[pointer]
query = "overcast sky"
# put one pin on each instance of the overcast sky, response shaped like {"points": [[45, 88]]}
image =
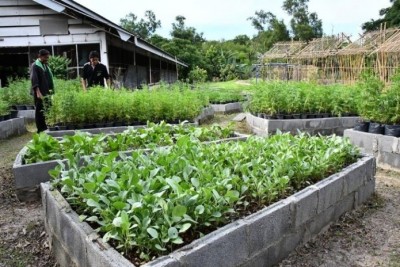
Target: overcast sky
{"points": [[225, 19]]}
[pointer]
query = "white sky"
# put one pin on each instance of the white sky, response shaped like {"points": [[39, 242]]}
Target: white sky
{"points": [[225, 19]]}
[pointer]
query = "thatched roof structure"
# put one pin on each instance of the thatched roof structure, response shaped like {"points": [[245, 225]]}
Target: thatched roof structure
{"points": [[369, 42], [391, 45], [284, 49], [323, 47]]}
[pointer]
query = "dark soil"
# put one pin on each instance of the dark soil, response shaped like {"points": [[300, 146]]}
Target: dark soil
{"points": [[23, 240]]}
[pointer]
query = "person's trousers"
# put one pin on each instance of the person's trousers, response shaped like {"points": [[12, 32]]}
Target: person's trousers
{"points": [[39, 115]]}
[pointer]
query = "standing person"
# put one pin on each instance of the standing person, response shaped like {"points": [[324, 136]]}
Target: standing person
{"points": [[42, 87], [94, 72]]}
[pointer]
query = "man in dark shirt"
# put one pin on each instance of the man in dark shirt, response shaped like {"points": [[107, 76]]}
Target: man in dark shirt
{"points": [[94, 72], [42, 87]]}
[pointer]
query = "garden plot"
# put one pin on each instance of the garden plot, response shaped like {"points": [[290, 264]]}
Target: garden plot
{"points": [[149, 204], [44, 152], [385, 148]]}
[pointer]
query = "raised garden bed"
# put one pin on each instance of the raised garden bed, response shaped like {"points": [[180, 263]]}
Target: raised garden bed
{"points": [[30, 175], [10, 127], [386, 149], [324, 126], [261, 239]]}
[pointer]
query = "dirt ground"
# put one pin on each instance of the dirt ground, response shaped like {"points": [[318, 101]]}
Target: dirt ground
{"points": [[367, 236]]}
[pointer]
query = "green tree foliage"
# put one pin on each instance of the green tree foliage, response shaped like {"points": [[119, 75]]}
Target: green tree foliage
{"points": [[270, 30], [145, 28], [390, 16], [305, 25]]}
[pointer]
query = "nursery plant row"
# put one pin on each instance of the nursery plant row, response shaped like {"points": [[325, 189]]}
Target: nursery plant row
{"points": [[148, 204], [44, 147], [288, 100], [380, 109]]}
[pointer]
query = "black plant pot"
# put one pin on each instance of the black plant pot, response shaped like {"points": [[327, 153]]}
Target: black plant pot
{"points": [[287, 117], [325, 115], [296, 116], [108, 124], [311, 116], [6, 117], [20, 107], [99, 124], [30, 107], [14, 114], [53, 128], [1, 118], [392, 130], [261, 115], [62, 127], [280, 116], [376, 128], [118, 124], [319, 116], [304, 116], [362, 126]]}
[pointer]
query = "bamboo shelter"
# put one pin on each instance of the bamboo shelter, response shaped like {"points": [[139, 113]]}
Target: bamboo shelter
{"points": [[318, 60], [360, 55], [276, 60], [387, 57]]}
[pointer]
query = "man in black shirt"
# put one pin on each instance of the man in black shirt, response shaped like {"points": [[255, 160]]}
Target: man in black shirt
{"points": [[94, 72], [42, 87]]}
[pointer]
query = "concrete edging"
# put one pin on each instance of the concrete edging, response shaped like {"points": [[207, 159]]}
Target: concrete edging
{"points": [[324, 126], [261, 239], [29, 176], [227, 108], [386, 149], [12, 127], [28, 115]]}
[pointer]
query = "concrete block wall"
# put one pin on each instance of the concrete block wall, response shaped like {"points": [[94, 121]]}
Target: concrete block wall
{"points": [[324, 126], [261, 239], [227, 108], [385, 148], [12, 127]]}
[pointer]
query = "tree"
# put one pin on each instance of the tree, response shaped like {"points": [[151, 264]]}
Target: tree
{"points": [[390, 16], [270, 30], [305, 25], [144, 28]]}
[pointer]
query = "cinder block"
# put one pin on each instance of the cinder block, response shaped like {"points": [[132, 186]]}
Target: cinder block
{"points": [[349, 122], [12, 127], [386, 143], [319, 223], [268, 225], [72, 236], [283, 248], [220, 248], [31, 175], [355, 177], [346, 204], [292, 125], [389, 160], [367, 142], [365, 192], [53, 214], [59, 252], [305, 205], [330, 191]]}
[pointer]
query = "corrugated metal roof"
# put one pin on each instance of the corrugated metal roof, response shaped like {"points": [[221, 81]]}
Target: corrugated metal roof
{"points": [[122, 33]]}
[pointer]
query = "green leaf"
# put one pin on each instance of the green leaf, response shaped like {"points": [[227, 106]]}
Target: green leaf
{"points": [[117, 222], [173, 233], [119, 205], [152, 232], [179, 211], [184, 227], [195, 182], [199, 209], [157, 246], [92, 203]]}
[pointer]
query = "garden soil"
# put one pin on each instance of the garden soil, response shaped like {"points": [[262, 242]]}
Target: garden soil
{"points": [[368, 236]]}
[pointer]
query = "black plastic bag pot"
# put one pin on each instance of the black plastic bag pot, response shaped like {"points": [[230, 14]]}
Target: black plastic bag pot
{"points": [[362, 126], [296, 116], [392, 130], [376, 128], [287, 117], [279, 116]]}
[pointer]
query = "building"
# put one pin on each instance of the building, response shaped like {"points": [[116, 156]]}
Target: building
{"points": [[69, 29]]}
